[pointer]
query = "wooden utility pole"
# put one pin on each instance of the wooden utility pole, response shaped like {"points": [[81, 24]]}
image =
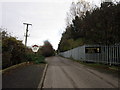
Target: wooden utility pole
{"points": [[26, 33]]}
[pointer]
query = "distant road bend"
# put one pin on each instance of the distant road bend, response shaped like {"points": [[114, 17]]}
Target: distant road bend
{"points": [[64, 73]]}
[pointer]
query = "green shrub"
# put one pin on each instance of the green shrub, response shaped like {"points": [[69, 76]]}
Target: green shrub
{"points": [[36, 58]]}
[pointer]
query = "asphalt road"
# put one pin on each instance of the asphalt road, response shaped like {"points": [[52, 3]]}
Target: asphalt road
{"points": [[64, 73], [27, 76]]}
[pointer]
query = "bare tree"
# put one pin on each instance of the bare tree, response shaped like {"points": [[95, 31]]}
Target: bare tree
{"points": [[77, 9]]}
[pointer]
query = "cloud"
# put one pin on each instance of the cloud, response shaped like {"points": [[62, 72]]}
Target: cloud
{"points": [[47, 19]]}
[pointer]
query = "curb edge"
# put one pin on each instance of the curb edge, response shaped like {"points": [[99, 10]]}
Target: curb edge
{"points": [[43, 77], [12, 67]]}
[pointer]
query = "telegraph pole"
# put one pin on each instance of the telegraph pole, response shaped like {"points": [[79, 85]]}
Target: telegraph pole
{"points": [[26, 32]]}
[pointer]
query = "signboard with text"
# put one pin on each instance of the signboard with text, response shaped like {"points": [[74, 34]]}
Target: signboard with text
{"points": [[92, 50]]}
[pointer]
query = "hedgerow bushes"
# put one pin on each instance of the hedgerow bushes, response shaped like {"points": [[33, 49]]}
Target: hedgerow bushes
{"points": [[15, 52]]}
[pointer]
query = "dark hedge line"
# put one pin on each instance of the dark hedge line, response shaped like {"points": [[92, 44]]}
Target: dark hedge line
{"points": [[15, 52]]}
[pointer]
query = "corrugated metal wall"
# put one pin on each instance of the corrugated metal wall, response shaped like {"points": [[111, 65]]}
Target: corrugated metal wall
{"points": [[108, 54]]}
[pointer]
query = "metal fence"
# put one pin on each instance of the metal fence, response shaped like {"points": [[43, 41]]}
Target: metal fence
{"points": [[107, 54]]}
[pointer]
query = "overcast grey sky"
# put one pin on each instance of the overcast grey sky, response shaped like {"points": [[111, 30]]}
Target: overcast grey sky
{"points": [[46, 16]]}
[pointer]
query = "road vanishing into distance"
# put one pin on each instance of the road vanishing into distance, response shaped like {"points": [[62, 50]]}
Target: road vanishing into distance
{"points": [[64, 73], [61, 73]]}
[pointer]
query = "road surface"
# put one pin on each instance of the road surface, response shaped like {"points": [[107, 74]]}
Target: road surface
{"points": [[64, 73], [27, 76]]}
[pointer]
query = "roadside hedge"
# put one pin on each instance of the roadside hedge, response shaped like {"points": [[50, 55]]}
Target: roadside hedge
{"points": [[15, 52]]}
